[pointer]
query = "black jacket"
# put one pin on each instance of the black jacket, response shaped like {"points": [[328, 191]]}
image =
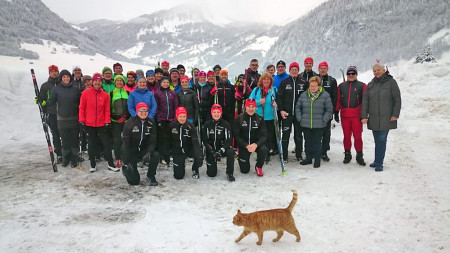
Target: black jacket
{"points": [[252, 78], [184, 139], [288, 93], [225, 95], [78, 83], [249, 129], [67, 98], [189, 100], [204, 96], [44, 94], [307, 75], [216, 135], [138, 136], [330, 85]]}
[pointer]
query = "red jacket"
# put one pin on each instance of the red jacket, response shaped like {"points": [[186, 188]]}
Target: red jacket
{"points": [[94, 108], [349, 98]]}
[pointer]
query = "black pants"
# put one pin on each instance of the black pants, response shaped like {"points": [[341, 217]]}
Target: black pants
{"points": [[69, 139], [244, 158], [131, 174], [313, 142], [162, 138], [53, 124], [326, 137], [179, 162], [205, 115], [211, 163], [271, 142], [96, 135], [83, 140], [286, 133], [117, 129], [228, 115]]}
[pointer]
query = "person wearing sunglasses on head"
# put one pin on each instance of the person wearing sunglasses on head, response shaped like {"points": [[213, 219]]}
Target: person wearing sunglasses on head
{"points": [[349, 101], [217, 139]]}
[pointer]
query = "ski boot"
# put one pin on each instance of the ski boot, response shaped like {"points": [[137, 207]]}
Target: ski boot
{"points": [[325, 157]]}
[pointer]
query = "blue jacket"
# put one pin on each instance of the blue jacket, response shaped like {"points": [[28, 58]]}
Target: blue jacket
{"points": [[277, 79], [268, 108], [140, 95]]}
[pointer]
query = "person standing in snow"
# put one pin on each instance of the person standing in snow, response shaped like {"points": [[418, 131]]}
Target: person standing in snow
{"points": [[249, 132], [194, 80], [94, 117], [217, 139], [181, 70], [349, 101], [281, 74], [118, 70], [188, 99], [313, 111], [142, 94], [174, 80], [77, 76], [288, 93], [329, 84], [271, 69], [108, 82], [217, 70], [131, 82], [158, 75], [139, 141], [205, 99], [380, 110], [225, 96], [308, 72], [240, 95], [152, 84], [119, 114], [165, 67], [50, 110], [67, 98], [252, 74], [87, 82], [184, 143]]}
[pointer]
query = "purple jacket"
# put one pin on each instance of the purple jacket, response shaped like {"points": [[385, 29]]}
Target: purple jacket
{"points": [[167, 103]]}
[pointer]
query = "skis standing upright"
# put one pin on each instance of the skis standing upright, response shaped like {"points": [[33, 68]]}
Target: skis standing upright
{"points": [[44, 123], [343, 76], [278, 134]]}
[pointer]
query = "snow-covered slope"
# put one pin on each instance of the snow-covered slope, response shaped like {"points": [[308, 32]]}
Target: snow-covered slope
{"points": [[341, 208]]}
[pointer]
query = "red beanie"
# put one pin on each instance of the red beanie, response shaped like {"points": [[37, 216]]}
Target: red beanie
{"points": [[216, 107], [201, 73], [180, 110], [97, 76], [250, 102], [309, 59], [324, 63], [210, 73], [184, 78], [141, 105], [165, 63], [52, 67], [294, 64]]}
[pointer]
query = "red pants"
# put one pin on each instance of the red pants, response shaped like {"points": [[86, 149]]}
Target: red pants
{"points": [[352, 126]]}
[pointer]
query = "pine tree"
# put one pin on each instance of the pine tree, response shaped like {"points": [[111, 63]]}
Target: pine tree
{"points": [[425, 56]]}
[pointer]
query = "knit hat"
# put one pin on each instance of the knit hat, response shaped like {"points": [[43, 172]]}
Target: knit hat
{"points": [[164, 78], [159, 70], [173, 70], [216, 107], [165, 63], [64, 72], [116, 65], [224, 71], [241, 76], [250, 102], [139, 72], [309, 59], [143, 106], [294, 65], [97, 76], [210, 73], [150, 72], [352, 68], [106, 69], [139, 77], [201, 73], [180, 67], [85, 78], [324, 63], [184, 78], [121, 77], [132, 74], [280, 62], [180, 110], [217, 66], [53, 67]]}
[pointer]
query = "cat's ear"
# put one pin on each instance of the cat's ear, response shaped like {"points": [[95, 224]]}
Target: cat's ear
{"points": [[239, 212]]}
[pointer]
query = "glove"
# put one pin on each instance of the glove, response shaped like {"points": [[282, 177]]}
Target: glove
{"points": [[122, 119], [222, 152], [336, 116], [238, 96], [36, 100], [214, 91]]}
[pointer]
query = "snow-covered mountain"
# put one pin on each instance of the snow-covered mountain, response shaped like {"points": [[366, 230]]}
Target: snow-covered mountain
{"points": [[356, 32]]}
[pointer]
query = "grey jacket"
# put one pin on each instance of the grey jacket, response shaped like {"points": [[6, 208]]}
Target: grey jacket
{"points": [[381, 101], [314, 113]]}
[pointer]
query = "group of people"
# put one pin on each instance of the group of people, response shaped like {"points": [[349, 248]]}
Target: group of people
{"points": [[163, 115]]}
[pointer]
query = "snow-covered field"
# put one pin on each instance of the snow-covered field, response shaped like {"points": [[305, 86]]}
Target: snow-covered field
{"points": [[341, 208]]}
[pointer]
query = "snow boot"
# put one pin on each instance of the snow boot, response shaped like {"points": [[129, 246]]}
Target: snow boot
{"points": [[300, 158], [379, 168], [131, 174], [259, 171], [373, 165], [112, 167], [195, 174], [230, 177], [360, 159], [59, 159], [316, 163], [66, 157], [152, 180], [347, 157], [306, 161], [325, 157], [118, 163]]}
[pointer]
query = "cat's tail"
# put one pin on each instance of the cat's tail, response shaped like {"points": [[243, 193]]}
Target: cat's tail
{"points": [[293, 202]]}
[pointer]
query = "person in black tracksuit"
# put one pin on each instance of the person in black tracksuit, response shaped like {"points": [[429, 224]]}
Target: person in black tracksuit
{"points": [[139, 141], [50, 110], [67, 98], [249, 131], [289, 91], [329, 84], [216, 137], [188, 99], [308, 72], [184, 143], [225, 97], [205, 99]]}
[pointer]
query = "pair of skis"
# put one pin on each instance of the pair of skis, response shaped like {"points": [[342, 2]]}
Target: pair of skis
{"points": [[278, 134]]}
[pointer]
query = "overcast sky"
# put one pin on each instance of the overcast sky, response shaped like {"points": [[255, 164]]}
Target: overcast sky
{"points": [[261, 11]]}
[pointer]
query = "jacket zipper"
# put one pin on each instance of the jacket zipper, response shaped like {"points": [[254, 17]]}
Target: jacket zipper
{"points": [[167, 101], [249, 128], [142, 135], [349, 94]]}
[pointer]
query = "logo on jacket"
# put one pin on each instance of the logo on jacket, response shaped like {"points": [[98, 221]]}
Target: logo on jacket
{"points": [[174, 131], [135, 129], [244, 123]]}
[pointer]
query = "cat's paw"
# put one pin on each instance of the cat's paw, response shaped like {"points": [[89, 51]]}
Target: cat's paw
{"points": [[275, 240], [258, 243]]}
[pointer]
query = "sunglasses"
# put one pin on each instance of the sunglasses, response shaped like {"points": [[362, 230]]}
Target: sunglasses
{"points": [[143, 110], [131, 73], [216, 107], [351, 74]]}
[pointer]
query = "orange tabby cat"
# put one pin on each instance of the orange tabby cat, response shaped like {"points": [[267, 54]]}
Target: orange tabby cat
{"points": [[275, 219]]}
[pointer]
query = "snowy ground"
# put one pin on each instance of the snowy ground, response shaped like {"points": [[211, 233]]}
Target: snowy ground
{"points": [[341, 208]]}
